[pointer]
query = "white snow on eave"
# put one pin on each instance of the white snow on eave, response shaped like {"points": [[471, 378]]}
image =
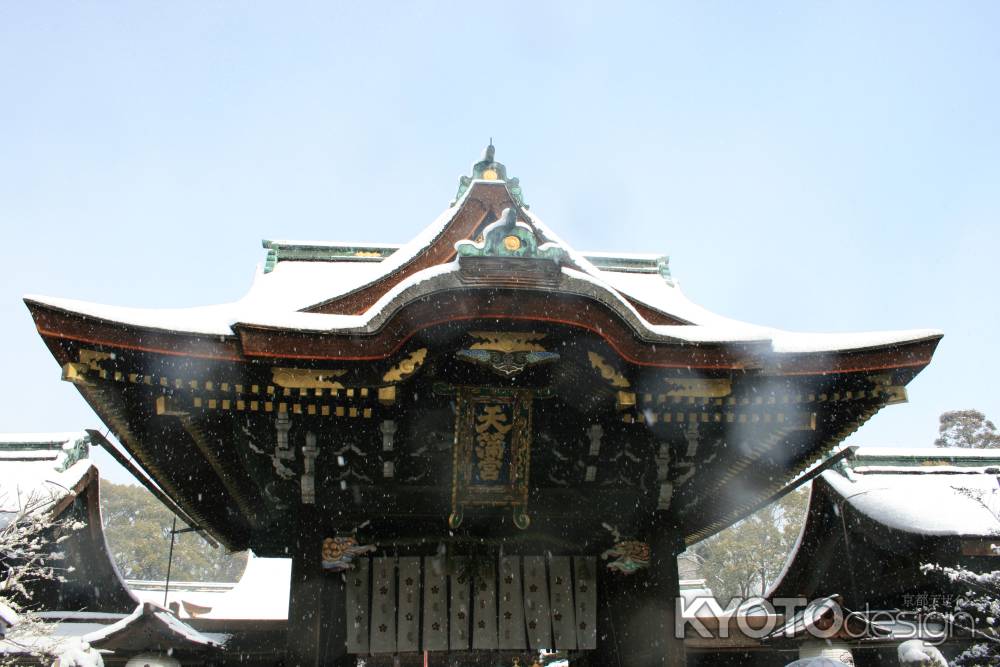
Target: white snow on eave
{"points": [[23, 480], [290, 287], [204, 320], [55, 438], [651, 290], [260, 594], [718, 331], [114, 627], [789, 342], [331, 322], [927, 504], [168, 619], [924, 470], [183, 629], [688, 333], [26, 455], [648, 288], [276, 299], [929, 453]]}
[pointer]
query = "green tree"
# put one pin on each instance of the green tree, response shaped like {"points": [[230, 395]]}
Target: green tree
{"points": [[967, 428], [746, 558], [137, 527]]}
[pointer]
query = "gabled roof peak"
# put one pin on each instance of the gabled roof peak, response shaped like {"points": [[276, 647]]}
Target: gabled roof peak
{"points": [[488, 169]]}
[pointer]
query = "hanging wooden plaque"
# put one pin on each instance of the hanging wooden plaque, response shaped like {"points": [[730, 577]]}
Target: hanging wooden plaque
{"points": [[492, 451]]}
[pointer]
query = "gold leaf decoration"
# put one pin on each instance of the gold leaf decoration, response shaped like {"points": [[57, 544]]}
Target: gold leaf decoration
{"points": [[92, 357], [306, 378], [607, 371], [507, 341], [406, 367], [699, 388]]}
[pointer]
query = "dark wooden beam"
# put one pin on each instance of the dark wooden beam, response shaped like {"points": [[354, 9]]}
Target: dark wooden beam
{"points": [[150, 485]]}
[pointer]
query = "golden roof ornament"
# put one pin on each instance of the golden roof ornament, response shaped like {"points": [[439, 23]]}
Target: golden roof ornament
{"points": [[488, 169]]}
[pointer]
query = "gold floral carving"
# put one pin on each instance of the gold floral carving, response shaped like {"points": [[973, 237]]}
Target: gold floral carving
{"points": [[406, 367], [306, 378], [607, 371], [507, 341]]}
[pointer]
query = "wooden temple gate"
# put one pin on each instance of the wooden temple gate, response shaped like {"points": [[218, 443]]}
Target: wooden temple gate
{"points": [[488, 408]]}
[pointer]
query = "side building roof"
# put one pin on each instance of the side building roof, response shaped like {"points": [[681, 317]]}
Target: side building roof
{"points": [[918, 503], [51, 473]]}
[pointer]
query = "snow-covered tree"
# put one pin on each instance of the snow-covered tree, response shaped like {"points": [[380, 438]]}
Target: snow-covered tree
{"points": [[976, 612], [29, 553], [967, 428]]}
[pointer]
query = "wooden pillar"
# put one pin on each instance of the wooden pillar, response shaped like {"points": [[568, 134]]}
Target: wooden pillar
{"points": [[316, 627], [636, 625]]}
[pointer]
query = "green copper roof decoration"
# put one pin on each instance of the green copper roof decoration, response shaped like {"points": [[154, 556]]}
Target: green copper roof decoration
{"points": [[281, 251], [633, 264], [507, 237], [76, 450], [62, 452], [488, 169]]}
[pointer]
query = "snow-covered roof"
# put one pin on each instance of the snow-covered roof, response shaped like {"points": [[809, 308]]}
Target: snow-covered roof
{"points": [[55, 440], [944, 492], [284, 288], [276, 300], [923, 491], [42, 467], [260, 594], [154, 628], [931, 503], [924, 458]]}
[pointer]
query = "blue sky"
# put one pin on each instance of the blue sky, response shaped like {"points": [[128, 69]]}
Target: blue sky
{"points": [[812, 166]]}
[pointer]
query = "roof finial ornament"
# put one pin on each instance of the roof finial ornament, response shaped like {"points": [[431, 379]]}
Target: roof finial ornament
{"points": [[488, 169]]}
